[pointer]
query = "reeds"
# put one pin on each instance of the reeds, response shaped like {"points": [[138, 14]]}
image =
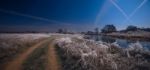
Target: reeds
{"points": [[92, 55]]}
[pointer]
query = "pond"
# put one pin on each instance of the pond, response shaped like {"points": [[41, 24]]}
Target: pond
{"points": [[122, 42]]}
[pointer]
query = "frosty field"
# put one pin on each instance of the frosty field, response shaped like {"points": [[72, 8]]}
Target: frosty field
{"points": [[68, 52]]}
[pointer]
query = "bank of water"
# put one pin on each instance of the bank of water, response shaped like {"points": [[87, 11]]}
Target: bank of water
{"points": [[122, 42]]}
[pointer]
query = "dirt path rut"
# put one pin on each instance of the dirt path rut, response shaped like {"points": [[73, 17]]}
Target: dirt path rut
{"points": [[53, 63], [16, 64]]}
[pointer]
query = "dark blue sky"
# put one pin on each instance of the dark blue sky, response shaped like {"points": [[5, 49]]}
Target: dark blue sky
{"points": [[76, 15]]}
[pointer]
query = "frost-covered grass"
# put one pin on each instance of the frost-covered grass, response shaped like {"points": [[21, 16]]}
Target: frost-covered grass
{"points": [[23, 37], [13, 44], [81, 54], [77, 53]]}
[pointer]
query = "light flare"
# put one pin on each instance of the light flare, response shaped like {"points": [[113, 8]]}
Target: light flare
{"points": [[120, 9], [136, 9], [128, 17], [102, 11]]}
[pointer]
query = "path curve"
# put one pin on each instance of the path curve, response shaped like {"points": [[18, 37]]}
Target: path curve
{"points": [[16, 64]]}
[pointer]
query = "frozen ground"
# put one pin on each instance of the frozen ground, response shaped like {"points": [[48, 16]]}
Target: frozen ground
{"points": [[13, 44], [77, 53], [29, 37]]}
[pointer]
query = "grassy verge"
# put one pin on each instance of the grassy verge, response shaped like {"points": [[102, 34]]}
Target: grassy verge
{"points": [[68, 62]]}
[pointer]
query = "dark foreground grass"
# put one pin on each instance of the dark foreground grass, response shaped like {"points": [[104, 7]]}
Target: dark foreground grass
{"points": [[36, 60]]}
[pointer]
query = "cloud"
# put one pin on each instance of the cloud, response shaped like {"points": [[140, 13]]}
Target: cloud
{"points": [[32, 17]]}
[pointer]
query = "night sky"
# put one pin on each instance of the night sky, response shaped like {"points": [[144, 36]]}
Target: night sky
{"points": [[74, 15]]}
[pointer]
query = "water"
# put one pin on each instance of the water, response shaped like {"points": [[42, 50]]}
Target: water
{"points": [[122, 42]]}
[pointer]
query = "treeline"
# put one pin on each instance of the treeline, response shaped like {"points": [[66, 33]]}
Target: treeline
{"points": [[111, 28], [135, 28], [65, 31]]}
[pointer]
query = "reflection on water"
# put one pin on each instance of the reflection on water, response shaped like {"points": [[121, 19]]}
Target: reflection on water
{"points": [[108, 39], [122, 42], [102, 38]]}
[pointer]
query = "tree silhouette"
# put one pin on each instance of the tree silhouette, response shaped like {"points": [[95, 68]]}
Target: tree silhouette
{"points": [[109, 29]]}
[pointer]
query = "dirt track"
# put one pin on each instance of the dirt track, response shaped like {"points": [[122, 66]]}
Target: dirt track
{"points": [[53, 64]]}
